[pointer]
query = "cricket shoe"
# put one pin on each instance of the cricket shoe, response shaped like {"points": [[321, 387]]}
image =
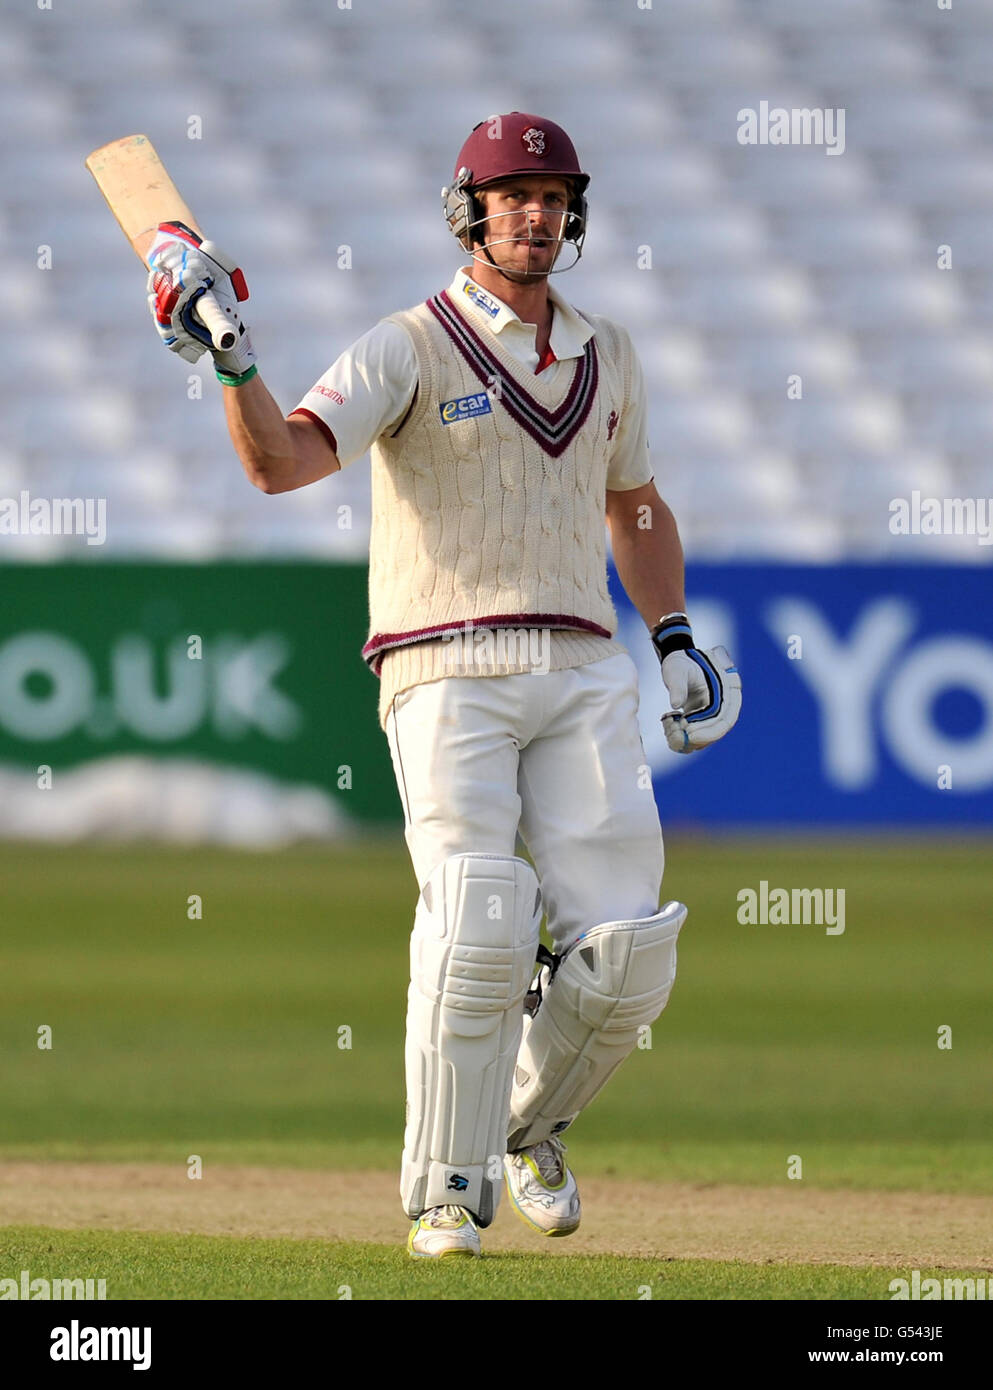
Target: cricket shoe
{"points": [[443, 1231], [542, 1189]]}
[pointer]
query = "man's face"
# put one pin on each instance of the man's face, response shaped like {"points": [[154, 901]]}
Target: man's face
{"points": [[531, 203]]}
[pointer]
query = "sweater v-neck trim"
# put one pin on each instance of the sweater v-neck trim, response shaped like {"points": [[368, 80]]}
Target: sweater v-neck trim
{"points": [[553, 427]]}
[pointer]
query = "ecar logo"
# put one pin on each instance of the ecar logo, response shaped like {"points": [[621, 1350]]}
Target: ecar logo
{"points": [[465, 408]]}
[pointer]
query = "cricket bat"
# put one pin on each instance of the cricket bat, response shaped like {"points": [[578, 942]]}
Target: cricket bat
{"points": [[140, 194]]}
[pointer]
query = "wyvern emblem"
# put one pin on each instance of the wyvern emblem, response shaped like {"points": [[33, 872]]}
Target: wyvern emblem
{"points": [[534, 141]]}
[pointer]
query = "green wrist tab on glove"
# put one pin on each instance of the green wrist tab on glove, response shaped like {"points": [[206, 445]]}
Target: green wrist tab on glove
{"points": [[232, 379]]}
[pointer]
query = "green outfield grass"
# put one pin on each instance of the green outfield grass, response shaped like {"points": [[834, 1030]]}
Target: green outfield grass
{"points": [[201, 1267], [220, 1036]]}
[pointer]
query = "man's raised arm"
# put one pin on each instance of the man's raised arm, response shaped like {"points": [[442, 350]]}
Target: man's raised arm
{"points": [[278, 454]]}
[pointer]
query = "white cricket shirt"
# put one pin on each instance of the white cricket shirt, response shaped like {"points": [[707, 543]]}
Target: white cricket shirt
{"points": [[369, 389]]}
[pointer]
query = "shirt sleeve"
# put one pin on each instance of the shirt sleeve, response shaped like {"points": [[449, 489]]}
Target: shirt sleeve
{"points": [[366, 392], [630, 465]]}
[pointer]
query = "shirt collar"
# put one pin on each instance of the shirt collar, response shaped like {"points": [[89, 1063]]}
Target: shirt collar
{"points": [[570, 331]]}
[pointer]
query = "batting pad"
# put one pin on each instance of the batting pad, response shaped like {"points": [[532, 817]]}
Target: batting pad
{"points": [[611, 983], [472, 954]]}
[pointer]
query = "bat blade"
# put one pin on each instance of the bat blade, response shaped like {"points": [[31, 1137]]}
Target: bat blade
{"points": [[140, 194]]}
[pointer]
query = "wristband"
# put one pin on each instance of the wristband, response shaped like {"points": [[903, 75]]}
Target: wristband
{"points": [[232, 378], [672, 634]]}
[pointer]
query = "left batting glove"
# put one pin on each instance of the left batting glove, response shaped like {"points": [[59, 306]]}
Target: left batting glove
{"points": [[184, 268], [704, 687]]}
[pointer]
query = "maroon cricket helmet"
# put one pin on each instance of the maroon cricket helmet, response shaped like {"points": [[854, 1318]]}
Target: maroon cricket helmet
{"points": [[506, 147]]}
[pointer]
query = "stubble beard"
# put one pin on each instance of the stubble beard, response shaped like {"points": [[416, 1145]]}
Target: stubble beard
{"points": [[519, 275]]}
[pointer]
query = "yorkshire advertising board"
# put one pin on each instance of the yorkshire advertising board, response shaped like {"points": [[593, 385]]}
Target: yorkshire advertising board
{"points": [[868, 691], [867, 697]]}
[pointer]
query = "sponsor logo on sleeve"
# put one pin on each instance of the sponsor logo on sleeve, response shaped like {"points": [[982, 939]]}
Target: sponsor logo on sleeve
{"points": [[465, 408], [481, 299], [321, 390]]}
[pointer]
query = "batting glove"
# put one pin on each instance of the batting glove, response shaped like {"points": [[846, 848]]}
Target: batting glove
{"points": [[704, 687], [183, 269]]}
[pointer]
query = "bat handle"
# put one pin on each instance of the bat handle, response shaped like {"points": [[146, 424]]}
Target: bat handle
{"points": [[216, 322]]}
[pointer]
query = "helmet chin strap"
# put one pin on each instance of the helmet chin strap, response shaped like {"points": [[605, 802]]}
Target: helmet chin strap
{"points": [[527, 275], [524, 274]]}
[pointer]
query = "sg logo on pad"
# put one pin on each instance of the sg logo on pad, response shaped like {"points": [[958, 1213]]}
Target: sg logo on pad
{"points": [[465, 408]]}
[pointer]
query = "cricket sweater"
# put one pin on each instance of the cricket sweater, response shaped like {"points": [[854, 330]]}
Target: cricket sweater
{"points": [[488, 508]]}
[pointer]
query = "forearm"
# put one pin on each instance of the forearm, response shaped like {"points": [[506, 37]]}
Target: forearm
{"points": [[649, 561], [259, 434]]}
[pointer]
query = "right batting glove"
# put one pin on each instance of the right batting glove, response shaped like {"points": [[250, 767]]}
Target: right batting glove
{"points": [[704, 687], [183, 268]]}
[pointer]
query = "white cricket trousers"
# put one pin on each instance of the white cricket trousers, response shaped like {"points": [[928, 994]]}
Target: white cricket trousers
{"points": [[556, 758]]}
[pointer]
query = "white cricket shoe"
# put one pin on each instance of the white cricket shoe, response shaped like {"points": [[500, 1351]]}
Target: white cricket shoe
{"points": [[442, 1231], [542, 1189]]}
